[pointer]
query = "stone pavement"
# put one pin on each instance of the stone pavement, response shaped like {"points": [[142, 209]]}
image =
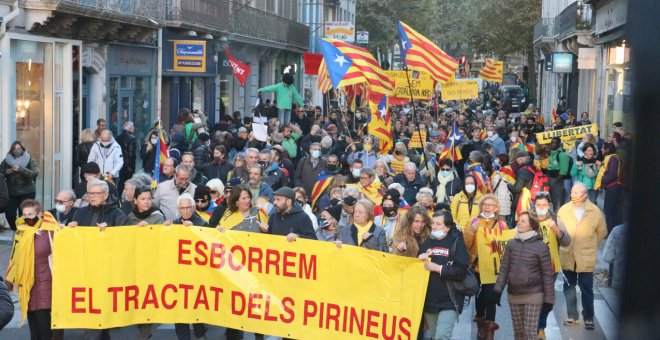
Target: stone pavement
{"points": [[605, 302]]}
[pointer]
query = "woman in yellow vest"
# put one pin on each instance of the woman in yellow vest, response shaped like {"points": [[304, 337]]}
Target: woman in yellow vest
{"points": [[487, 299], [608, 179], [465, 204]]}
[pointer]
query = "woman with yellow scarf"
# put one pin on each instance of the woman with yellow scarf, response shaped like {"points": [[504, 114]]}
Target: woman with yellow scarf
{"points": [[29, 269]]}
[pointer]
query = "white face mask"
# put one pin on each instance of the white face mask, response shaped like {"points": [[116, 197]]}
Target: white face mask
{"points": [[513, 139], [154, 140], [491, 215], [438, 234], [470, 188], [60, 208], [356, 172], [541, 212]]}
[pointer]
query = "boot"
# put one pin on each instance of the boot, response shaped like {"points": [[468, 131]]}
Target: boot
{"points": [[491, 327], [482, 325]]}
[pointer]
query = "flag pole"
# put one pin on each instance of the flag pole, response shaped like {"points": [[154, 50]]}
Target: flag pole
{"points": [[412, 101]]}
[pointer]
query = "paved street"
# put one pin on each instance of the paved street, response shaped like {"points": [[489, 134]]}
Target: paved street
{"points": [[465, 329]]}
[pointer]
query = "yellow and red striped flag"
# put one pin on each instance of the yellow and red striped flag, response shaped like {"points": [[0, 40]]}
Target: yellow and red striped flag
{"points": [[349, 65], [421, 54], [380, 124], [324, 84], [492, 71]]}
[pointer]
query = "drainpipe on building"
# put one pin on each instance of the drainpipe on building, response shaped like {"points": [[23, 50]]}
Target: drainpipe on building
{"points": [[159, 77], [15, 11]]}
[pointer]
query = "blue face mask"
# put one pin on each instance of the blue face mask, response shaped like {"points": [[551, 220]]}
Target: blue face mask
{"points": [[316, 153], [490, 133], [446, 173]]}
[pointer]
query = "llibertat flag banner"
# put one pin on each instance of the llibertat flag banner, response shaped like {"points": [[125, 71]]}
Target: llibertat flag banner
{"points": [[255, 282], [491, 243]]}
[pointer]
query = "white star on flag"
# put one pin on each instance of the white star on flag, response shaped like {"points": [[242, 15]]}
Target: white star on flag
{"points": [[403, 44], [340, 59]]}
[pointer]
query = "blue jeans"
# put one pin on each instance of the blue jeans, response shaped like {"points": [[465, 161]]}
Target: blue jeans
{"points": [[568, 185], [441, 325], [593, 196], [284, 115], [586, 283]]}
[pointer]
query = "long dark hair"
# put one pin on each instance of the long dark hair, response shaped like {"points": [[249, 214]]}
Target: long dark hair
{"points": [[13, 145], [232, 201]]}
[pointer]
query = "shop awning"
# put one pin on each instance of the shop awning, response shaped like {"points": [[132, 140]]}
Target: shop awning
{"points": [[610, 36]]}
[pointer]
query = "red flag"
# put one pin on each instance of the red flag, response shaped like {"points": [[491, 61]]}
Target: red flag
{"points": [[240, 70], [312, 62]]}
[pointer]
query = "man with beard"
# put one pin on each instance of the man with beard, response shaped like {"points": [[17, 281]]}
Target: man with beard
{"points": [[168, 191], [257, 187], [289, 220], [273, 175], [196, 177]]}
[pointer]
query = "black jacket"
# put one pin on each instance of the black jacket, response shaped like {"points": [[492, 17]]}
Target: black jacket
{"points": [[218, 212], [437, 293], [64, 218], [202, 155], [4, 194], [410, 188], [148, 158], [295, 221], [524, 179], [89, 216], [217, 170], [6, 305], [196, 220], [128, 144], [81, 190]]}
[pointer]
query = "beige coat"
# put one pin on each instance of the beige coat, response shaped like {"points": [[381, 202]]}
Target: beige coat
{"points": [[580, 254]]}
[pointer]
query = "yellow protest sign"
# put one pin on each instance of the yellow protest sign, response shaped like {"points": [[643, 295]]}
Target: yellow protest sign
{"points": [[460, 89], [421, 87], [550, 238], [491, 243], [254, 282], [416, 141], [566, 134]]}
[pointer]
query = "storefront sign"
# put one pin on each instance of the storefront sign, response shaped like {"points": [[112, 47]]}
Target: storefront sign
{"points": [[362, 37], [340, 30], [611, 15], [571, 133], [459, 89], [562, 62], [254, 282], [587, 59], [189, 56], [421, 87]]}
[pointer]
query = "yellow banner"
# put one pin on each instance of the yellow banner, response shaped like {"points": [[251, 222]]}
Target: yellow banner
{"points": [[490, 246], [421, 87], [550, 238], [568, 134], [254, 282], [416, 141], [460, 89]]}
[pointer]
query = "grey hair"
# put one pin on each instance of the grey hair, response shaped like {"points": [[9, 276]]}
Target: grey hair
{"points": [[410, 165], [252, 150], [369, 172], [422, 192], [107, 131], [183, 197], [398, 187], [351, 191], [181, 168], [128, 125], [98, 183], [142, 178], [70, 193]]}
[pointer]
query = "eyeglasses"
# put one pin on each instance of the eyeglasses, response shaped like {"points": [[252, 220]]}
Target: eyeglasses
{"points": [[201, 201], [542, 194], [61, 202], [185, 208], [214, 191], [445, 169], [95, 193], [489, 205]]}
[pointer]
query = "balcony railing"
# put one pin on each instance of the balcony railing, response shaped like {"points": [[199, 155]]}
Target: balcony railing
{"points": [[545, 28], [131, 9], [213, 14], [255, 23], [574, 18]]}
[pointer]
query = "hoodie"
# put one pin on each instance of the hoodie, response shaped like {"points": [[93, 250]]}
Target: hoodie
{"points": [[294, 221]]}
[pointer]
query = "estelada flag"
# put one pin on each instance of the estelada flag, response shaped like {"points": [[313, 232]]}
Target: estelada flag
{"points": [[380, 123], [323, 180], [240, 70]]}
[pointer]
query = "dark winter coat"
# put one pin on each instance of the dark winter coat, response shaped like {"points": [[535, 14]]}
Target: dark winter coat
{"points": [[442, 251], [410, 187], [306, 174], [527, 269], [218, 170], [202, 155], [89, 216], [4, 193], [196, 220], [21, 182], [63, 219], [295, 221], [128, 144], [377, 240], [148, 158]]}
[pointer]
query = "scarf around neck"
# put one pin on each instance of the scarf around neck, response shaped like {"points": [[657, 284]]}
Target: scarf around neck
{"points": [[526, 235], [442, 185], [20, 161]]}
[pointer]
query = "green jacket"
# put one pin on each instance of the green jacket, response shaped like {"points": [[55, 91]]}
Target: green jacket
{"points": [[289, 144], [284, 95], [560, 161], [21, 182], [580, 176]]}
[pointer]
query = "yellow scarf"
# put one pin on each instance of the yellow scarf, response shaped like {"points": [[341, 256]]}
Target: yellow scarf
{"points": [[20, 270], [361, 229], [601, 172]]}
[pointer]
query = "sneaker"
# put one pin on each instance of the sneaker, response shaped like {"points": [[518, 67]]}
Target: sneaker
{"points": [[589, 324], [571, 322], [542, 334]]}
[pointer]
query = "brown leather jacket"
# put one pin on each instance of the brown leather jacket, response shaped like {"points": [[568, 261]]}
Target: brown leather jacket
{"points": [[527, 268]]}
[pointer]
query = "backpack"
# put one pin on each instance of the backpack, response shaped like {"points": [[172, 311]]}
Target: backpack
{"points": [[540, 182]]}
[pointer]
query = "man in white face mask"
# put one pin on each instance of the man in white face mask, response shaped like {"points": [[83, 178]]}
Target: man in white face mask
{"points": [[64, 208]]}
